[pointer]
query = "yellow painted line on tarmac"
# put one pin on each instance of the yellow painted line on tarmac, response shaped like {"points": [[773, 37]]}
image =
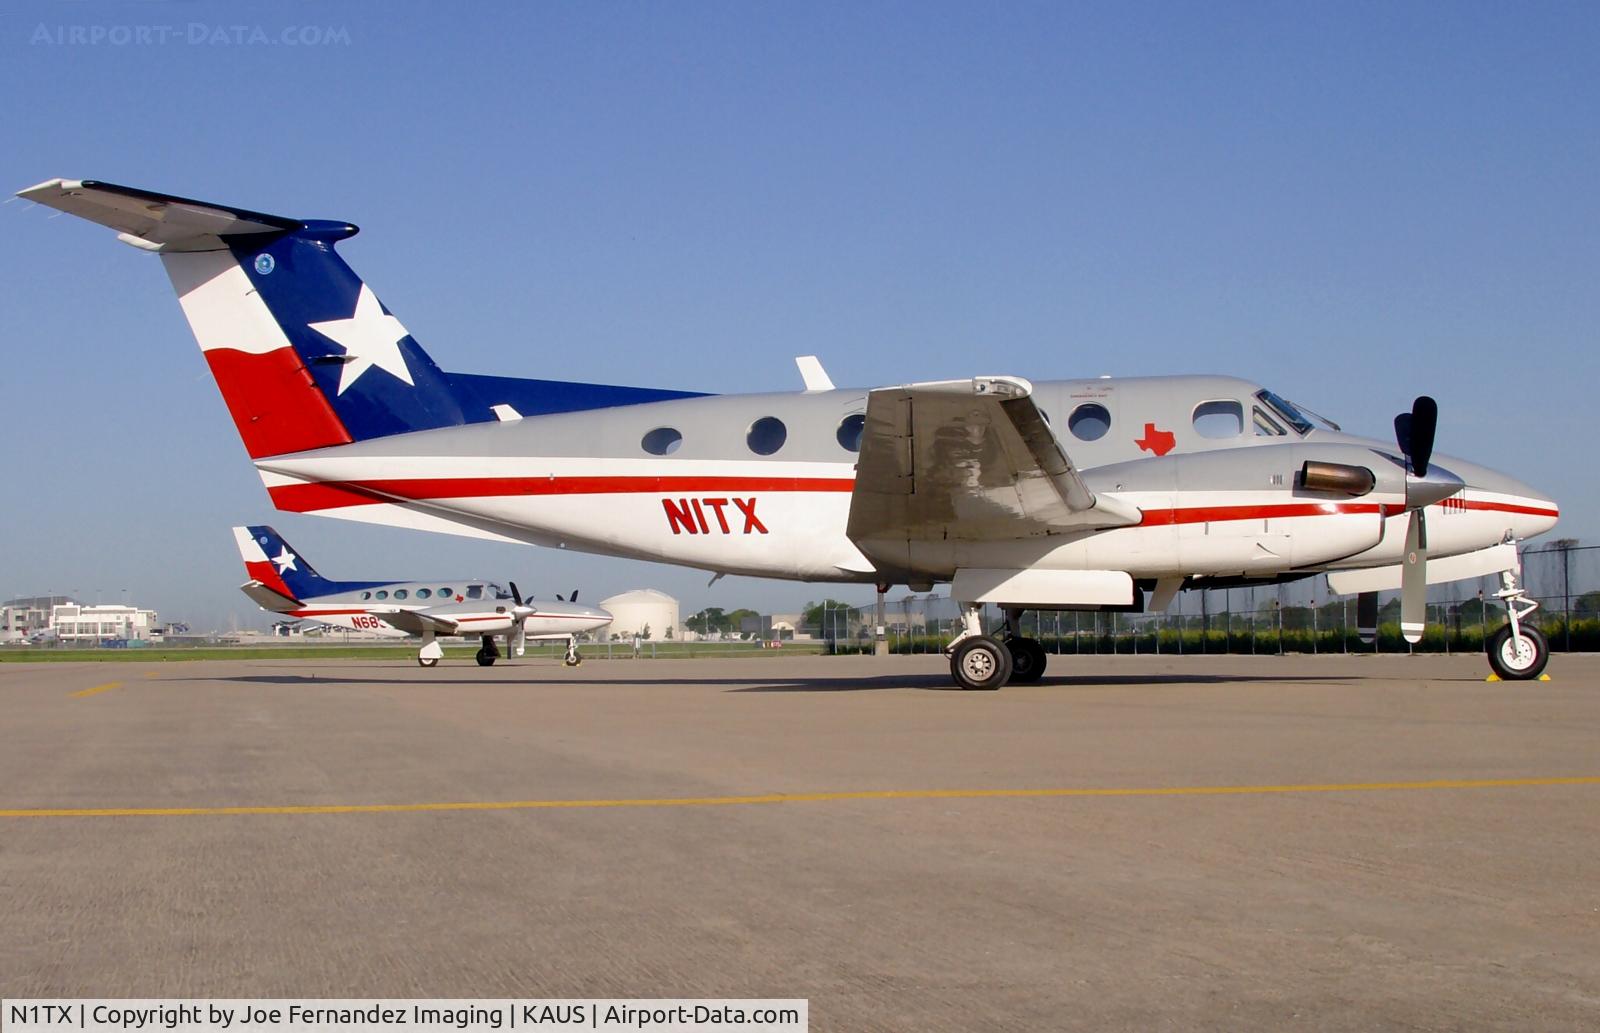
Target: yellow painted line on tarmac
{"points": [[152, 674], [95, 690], [735, 801]]}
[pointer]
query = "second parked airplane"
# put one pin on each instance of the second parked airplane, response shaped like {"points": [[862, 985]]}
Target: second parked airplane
{"points": [[283, 582]]}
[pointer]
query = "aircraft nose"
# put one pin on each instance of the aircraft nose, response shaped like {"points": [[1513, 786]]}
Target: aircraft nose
{"points": [[1527, 511]]}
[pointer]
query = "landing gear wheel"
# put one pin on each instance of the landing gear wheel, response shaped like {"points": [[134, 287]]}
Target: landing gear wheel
{"points": [[1027, 660], [486, 658], [1519, 659], [428, 661], [574, 661], [980, 663]]}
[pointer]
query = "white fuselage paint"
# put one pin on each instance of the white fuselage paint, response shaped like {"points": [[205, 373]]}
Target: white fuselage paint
{"points": [[800, 534]]}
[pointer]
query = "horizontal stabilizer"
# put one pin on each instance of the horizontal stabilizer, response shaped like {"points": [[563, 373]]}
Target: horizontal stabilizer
{"points": [[155, 221], [267, 599]]}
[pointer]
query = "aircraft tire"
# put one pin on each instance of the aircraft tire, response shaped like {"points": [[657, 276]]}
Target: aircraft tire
{"points": [[485, 658], [1027, 660], [1514, 661], [981, 663], [427, 661]]}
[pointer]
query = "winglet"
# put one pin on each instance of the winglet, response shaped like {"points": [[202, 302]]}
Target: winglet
{"points": [[816, 378]]}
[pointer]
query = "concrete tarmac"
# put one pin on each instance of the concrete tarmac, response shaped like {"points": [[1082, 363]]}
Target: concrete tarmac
{"points": [[1321, 843]]}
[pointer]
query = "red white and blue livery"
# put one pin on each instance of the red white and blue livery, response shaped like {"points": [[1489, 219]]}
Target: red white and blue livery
{"points": [[1045, 495], [283, 581]]}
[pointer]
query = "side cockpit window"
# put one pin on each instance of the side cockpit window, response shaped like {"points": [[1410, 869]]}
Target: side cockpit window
{"points": [[1219, 419], [1285, 412], [474, 591], [1266, 426]]}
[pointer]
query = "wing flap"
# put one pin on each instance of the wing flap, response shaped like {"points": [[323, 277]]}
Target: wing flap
{"points": [[969, 459]]}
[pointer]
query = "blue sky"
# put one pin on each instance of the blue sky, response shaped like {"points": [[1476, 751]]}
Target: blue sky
{"points": [[1354, 203]]}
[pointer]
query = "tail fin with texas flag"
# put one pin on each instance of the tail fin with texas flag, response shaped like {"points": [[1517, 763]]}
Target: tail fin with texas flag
{"points": [[305, 354], [287, 577]]}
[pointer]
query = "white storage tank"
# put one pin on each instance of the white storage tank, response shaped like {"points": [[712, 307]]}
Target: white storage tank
{"points": [[634, 611]]}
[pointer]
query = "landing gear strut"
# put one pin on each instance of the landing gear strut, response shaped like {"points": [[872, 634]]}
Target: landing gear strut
{"points": [[488, 653], [980, 662], [1027, 655], [574, 658], [1518, 651], [431, 651]]}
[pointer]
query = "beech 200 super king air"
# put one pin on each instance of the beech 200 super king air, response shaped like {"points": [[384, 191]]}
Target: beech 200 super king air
{"points": [[283, 582], [1078, 494]]}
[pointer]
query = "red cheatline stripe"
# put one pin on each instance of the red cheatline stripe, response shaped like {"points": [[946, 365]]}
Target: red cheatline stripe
{"points": [[322, 613], [1508, 507], [302, 498], [1218, 514]]}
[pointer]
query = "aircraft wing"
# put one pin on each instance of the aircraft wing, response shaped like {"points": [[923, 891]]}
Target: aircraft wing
{"points": [[415, 622], [972, 460]]}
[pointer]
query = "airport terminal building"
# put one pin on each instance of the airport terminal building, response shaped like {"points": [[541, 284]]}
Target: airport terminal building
{"points": [[58, 617]]}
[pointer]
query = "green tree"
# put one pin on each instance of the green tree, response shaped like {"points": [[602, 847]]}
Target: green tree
{"points": [[820, 615], [709, 620]]}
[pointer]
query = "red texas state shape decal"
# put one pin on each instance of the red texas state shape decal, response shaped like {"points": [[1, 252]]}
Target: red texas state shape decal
{"points": [[1158, 441]]}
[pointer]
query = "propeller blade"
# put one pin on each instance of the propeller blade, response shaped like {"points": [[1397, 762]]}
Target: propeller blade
{"points": [[573, 597], [559, 599], [1367, 616], [1414, 579], [1402, 433], [1424, 423], [516, 596]]}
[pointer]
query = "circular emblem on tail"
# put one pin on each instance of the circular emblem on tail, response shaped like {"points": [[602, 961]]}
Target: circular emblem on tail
{"points": [[265, 264]]}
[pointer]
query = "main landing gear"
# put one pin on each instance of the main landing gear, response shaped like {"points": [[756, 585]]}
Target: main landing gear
{"points": [[980, 662], [1518, 651], [488, 653], [431, 651]]}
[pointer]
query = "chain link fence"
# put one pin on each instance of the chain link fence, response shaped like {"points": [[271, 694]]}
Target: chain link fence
{"points": [[1300, 617]]}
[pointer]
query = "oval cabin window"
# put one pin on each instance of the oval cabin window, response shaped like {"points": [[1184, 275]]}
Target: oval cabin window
{"points": [[1089, 421]]}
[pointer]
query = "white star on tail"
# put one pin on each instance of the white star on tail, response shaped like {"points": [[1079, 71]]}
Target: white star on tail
{"points": [[370, 337], [284, 560]]}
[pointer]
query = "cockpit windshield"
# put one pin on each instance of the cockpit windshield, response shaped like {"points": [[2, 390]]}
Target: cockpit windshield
{"points": [[1284, 408], [498, 592]]}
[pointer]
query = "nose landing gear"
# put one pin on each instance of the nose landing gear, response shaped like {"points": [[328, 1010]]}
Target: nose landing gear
{"points": [[1518, 651]]}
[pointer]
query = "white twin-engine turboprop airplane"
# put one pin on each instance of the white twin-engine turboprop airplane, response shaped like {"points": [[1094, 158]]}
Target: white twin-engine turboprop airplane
{"points": [[284, 581], [1081, 494]]}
